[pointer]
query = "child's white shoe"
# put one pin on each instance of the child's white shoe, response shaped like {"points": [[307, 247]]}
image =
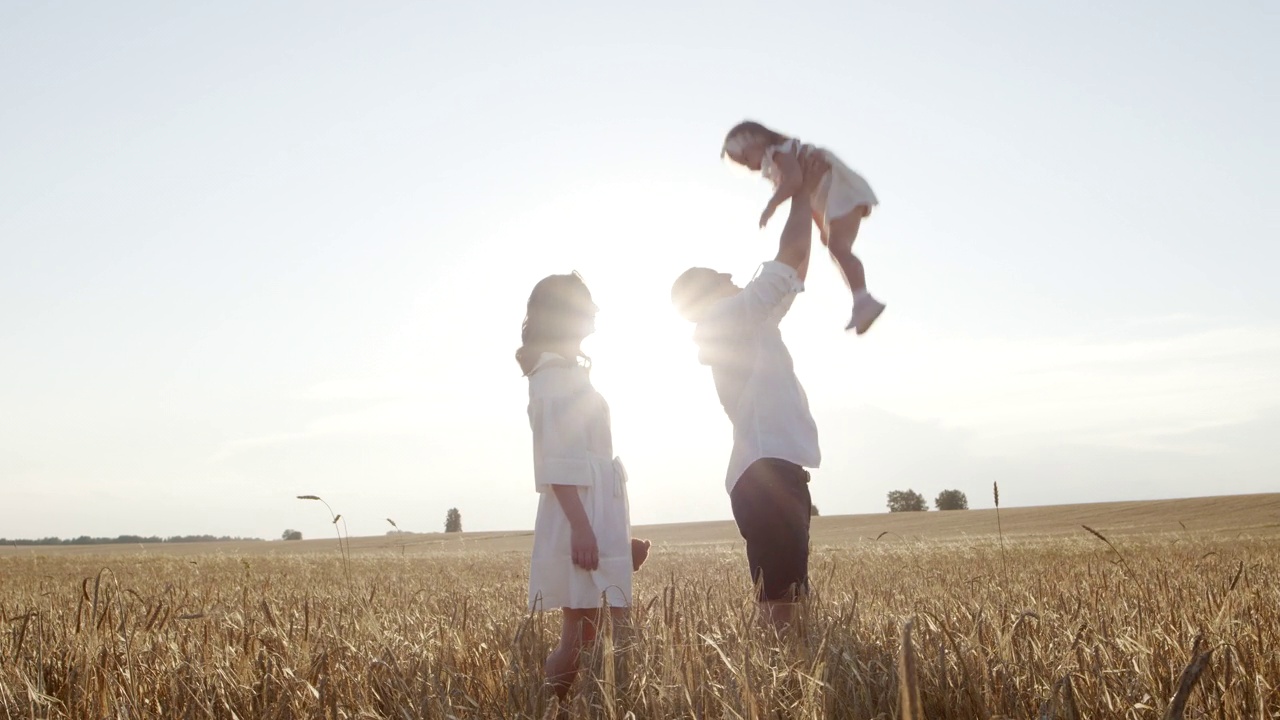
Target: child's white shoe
{"points": [[865, 312]]}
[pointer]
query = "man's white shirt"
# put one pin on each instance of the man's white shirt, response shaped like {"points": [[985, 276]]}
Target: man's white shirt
{"points": [[754, 375]]}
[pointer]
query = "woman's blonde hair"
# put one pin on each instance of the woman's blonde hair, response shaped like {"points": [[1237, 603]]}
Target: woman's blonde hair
{"points": [[559, 315]]}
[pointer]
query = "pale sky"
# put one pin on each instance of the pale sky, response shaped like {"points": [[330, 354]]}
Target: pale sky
{"points": [[255, 250]]}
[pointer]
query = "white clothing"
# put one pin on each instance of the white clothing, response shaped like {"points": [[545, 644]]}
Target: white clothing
{"points": [[841, 191], [573, 445], [754, 375]]}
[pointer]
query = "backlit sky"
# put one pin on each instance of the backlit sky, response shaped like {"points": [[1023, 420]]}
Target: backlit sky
{"points": [[255, 250]]}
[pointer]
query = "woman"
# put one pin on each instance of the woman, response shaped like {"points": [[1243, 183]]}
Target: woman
{"points": [[583, 555]]}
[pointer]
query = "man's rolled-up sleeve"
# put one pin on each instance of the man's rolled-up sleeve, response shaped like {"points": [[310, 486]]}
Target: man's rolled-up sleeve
{"points": [[768, 297]]}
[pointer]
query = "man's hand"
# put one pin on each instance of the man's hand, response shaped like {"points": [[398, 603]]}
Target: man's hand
{"points": [[797, 236], [814, 167], [583, 548]]}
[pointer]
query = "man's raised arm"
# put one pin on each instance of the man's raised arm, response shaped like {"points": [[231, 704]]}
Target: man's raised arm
{"points": [[797, 234]]}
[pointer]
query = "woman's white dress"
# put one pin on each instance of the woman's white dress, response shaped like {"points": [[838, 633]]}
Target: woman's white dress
{"points": [[573, 445]]}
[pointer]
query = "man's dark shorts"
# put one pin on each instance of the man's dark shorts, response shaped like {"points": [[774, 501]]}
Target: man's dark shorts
{"points": [[771, 505]]}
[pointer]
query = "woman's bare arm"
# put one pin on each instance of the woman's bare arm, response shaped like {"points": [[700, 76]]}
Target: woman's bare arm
{"points": [[582, 539]]}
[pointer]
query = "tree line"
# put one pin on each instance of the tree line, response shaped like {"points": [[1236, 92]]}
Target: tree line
{"points": [[912, 501], [899, 501], [124, 540], [452, 524]]}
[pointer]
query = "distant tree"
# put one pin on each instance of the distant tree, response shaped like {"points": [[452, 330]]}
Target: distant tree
{"points": [[907, 501], [951, 500], [291, 535], [453, 521], [813, 510]]}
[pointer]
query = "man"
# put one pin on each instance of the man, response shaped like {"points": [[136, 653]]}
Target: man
{"points": [[774, 436]]}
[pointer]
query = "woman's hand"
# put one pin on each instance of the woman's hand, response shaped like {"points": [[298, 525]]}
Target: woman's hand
{"points": [[583, 548], [582, 539]]}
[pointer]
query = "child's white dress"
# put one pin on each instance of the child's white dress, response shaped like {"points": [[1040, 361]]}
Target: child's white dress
{"points": [[841, 191], [573, 445]]}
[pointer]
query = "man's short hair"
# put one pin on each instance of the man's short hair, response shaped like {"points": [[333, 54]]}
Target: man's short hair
{"points": [[692, 290]]}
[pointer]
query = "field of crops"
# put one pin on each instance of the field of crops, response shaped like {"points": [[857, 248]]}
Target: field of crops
{"points": [[1072, 626]]}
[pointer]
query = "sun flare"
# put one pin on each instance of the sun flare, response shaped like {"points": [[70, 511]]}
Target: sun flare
{"points": [[642, 356]]}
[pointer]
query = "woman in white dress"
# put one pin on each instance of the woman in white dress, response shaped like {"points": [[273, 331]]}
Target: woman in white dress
{"points": [[583, 555]]}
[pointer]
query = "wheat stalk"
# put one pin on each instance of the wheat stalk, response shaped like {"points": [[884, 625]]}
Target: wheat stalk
{"points": [[908, 681], [1124, 563], [1004, 567], [1187, 680], [344, 551]]}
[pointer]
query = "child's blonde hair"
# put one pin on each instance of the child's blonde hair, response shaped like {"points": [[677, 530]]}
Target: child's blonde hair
{"points": [[753, 130]]}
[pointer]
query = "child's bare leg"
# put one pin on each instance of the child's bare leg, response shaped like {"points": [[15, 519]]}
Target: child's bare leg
{"points": [[838, 236], [841, 232], [822, 226]]}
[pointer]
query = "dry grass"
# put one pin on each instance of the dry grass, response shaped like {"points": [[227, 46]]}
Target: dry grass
{"points": [[1079, 626]]}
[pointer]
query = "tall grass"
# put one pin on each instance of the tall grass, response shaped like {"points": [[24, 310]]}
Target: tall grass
{"points": [[1072, 633]]}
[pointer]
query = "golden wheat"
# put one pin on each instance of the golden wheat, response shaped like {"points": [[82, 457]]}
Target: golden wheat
{"points": [[1070, 631]]}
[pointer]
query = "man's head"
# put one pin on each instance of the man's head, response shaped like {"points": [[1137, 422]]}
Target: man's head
{"points": [[699, 288]]}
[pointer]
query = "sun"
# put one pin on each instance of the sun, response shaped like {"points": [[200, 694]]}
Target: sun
{"points": [[639, 343], [643, 358], [630, 237]]}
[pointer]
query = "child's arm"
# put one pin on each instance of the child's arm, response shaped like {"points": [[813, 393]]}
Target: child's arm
{"points": [[790, 179]]}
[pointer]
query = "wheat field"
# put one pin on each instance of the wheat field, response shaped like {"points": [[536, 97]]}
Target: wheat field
{"points": [[1057, 625]]}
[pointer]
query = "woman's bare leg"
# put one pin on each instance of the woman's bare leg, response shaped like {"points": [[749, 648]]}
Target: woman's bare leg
{"points": [[577, 631], [561, 667]]}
